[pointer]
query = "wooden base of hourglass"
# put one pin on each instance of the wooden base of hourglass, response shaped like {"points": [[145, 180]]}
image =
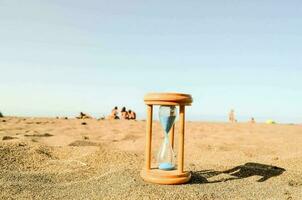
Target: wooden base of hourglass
{"points": [[172, 177]]}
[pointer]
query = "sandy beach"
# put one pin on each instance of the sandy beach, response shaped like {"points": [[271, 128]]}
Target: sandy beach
{"points": [[46, 158]]}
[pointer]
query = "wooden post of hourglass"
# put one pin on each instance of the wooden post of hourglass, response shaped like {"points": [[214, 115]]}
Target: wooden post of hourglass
{"points": [[155, 175], [181, 142], [148, 137]]}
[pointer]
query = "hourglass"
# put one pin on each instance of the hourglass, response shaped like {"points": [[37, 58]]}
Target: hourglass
{"points": [[167, 170]]}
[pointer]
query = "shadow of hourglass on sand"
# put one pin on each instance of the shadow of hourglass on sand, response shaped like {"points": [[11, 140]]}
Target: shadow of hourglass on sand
{"points": [[239, 172]]}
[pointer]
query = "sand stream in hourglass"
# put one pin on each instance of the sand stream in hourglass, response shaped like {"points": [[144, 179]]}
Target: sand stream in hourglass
{"points": [[166, 155]]}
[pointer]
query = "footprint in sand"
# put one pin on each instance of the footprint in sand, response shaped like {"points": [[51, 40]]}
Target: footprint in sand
{"points": [[9, 138], [294, 183], [38, 135], [85, 137], [81, 143], [130, 137]]}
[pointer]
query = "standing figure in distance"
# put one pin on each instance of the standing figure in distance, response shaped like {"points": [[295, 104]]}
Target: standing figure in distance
{"points": [[232, 118], [252, 120]]}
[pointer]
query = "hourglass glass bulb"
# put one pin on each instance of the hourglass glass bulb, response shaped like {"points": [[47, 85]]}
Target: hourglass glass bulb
{"points": [[167, 116], [166, 156]]}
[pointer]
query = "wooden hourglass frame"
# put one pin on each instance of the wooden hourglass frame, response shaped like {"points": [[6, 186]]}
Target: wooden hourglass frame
{"points": [[155, 175]]}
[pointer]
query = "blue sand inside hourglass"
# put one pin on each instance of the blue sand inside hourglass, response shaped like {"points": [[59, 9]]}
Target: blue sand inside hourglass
{"points": [[166, 166], [167, 122]]}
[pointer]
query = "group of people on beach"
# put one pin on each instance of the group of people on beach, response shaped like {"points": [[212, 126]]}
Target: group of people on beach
{"points": [[123, 114]]}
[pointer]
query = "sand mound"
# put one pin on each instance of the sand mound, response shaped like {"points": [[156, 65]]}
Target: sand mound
{"points": [[41, 172], [22, 156]]}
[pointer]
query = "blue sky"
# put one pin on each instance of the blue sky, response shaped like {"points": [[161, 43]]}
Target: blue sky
{"points": [[63, 57]]}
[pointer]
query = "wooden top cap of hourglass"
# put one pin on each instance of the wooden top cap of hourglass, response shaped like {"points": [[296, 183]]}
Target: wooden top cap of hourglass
{"points": [[168, 99]]}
